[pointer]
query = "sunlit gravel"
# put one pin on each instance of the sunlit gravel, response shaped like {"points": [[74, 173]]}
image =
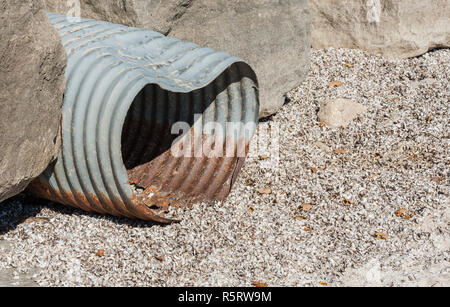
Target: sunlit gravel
{"points": [[395, 156]]}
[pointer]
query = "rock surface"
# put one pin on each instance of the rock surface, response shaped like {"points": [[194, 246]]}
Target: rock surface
{"points": [[32, 63], [10, 278], [340, 112], [374, 274], [272, 36], [393, 28]]}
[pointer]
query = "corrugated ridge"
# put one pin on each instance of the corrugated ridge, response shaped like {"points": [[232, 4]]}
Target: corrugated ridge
{"points": [[165, 62]]}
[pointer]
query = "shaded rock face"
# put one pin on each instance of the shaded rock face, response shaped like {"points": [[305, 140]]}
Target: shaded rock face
{"points": [[393, 28], [32, 63], [273, 36]]}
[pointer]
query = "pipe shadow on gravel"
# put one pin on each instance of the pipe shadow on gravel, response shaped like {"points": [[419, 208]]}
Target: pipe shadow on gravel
{"points": [[13, 212], [25, 207]]}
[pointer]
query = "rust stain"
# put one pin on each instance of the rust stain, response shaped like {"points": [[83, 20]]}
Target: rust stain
{"points": [[159, 186], [174, 182], [116, 207]]}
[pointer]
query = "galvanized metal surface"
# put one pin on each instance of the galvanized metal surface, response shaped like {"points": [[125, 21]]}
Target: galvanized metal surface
{"points": [[125, 89]]}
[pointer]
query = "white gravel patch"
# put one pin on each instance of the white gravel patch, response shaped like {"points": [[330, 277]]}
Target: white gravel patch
{"points": [[396, 156]]}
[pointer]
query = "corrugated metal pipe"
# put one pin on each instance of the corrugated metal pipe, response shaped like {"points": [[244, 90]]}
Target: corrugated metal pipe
{"points": [[128, 91]]}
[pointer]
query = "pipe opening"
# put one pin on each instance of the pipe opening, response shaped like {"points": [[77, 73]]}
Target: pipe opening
{"points": [[114, 140], [161, 179]]}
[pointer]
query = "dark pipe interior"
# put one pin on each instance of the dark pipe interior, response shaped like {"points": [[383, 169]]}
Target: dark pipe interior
{"points": [[147, 130], [147, 138], [147, 134]]}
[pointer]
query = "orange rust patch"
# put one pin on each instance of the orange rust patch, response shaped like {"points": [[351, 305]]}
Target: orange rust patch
{"points": [[163, 183], [99, 204], [172, 182]]}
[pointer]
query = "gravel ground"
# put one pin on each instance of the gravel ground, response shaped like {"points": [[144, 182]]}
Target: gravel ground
{"points": [[315, 222]]}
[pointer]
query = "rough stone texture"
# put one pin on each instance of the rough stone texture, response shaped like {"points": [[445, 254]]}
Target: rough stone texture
{"points": [[121, 12], [393, 28], [273, 36], [340, 112], [373, 274], [32, 62], [10, 278]]}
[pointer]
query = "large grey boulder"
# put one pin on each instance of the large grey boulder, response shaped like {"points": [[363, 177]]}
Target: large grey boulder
{"points": [[273, 36], [392, 28], [32, 63]]}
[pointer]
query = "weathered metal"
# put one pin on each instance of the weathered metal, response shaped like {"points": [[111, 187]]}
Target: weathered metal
{"points": [[126, 88]]}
